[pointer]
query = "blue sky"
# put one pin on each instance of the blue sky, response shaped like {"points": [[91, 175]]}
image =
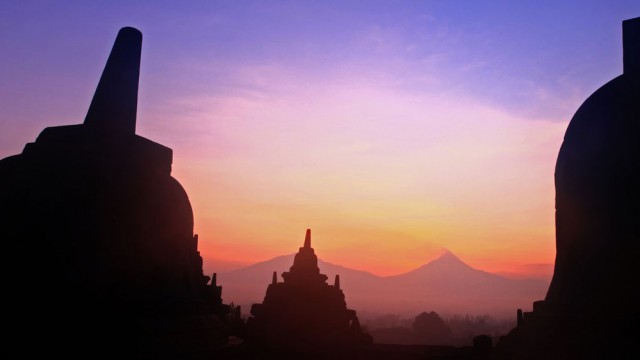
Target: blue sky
{"points": [[504, 52]]}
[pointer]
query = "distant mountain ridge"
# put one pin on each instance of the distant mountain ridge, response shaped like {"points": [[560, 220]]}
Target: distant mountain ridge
{"points": [[447, 285]]}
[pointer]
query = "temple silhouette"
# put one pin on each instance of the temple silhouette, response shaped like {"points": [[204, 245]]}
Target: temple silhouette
{"points": [[103, 235], [304, 312], [591, 308], [101, 259]]}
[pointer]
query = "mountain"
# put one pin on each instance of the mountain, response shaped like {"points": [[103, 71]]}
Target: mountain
{"points": [[449, 285], [446, 285]]}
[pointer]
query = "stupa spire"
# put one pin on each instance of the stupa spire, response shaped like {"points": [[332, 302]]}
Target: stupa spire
{"points": [[631, 46], [274, 279], [307, 239], [336, 282], [114, 104]]}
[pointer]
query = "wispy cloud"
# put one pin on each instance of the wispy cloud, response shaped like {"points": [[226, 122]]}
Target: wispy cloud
{"points": [[442, 169]]}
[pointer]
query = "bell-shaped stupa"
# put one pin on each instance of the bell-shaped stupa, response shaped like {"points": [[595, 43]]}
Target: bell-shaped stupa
{"points": [[591, 308], [102, 235]]}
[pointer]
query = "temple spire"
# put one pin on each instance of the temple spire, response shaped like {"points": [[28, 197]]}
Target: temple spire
{"points": [[336, 282], [114, 104], [274, 279], [307, 239], [214, 279]]}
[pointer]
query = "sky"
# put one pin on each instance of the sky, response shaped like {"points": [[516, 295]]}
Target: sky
{"points": [[392, 129]]}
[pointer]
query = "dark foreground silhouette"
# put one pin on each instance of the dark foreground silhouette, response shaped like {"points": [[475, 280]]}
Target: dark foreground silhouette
{"points": [[101, 259], [591, 308], [103, 256]]}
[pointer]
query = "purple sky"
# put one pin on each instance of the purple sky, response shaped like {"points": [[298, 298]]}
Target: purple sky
{"points": [[401, 126]]}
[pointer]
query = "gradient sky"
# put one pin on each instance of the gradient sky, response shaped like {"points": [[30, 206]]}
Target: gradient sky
{"points": [[392, 129]]}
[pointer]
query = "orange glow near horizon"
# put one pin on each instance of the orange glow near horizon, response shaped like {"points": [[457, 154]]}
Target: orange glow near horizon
{"points": [[379, 195]]}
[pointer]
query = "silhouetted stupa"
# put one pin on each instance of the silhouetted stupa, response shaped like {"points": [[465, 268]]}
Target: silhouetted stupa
{"points": [[304, 312], [591, 308], [101, 236]]}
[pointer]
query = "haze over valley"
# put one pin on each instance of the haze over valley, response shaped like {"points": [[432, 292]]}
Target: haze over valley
{"points": [[446, 285]]}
